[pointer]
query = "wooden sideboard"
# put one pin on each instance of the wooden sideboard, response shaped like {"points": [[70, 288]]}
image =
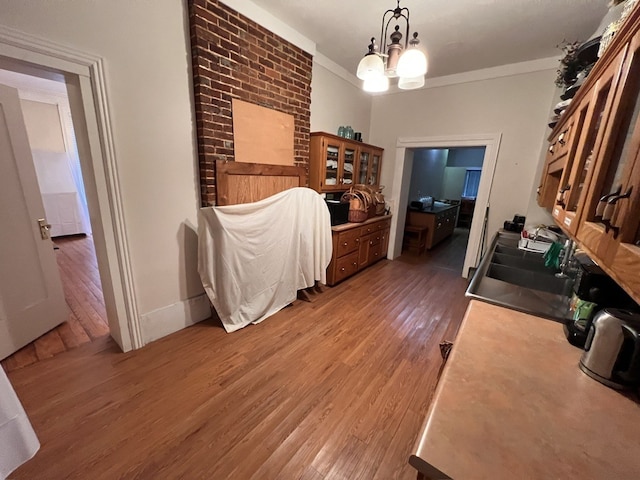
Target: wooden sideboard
{"points": [[356, 246]]}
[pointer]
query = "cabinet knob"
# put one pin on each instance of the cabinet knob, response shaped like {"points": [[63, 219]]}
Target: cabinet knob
{"points": [[342, 269], [354, 264], [345, 244], [357, 240]]}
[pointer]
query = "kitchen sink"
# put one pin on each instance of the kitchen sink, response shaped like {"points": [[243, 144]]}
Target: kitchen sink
{"points": [[519, 279], [533, 279]]}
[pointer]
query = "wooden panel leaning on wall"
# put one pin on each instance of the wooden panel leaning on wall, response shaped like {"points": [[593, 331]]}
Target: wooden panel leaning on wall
{"points": [[249, 182]]}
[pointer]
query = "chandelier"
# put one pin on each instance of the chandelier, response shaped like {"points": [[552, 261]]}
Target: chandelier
{"points": [[408, 63]]}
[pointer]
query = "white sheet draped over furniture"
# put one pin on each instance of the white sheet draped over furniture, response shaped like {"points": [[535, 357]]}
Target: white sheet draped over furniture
{"points": [[18, 441], [254, 257]]}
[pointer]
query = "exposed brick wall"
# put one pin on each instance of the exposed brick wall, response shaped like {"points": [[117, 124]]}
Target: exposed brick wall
{"points": [[234, 57]]}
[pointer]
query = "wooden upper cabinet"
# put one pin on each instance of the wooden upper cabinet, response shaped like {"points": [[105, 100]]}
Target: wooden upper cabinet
{"points": [[610, 227], [337, 163], [591, 118], [558, 162]]}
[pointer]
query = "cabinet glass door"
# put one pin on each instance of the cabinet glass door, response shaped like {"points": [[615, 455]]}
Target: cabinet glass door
{"points": [[593, 142], [348, 167], [332, 159], [363, 169], [375, 169], [611, 215]]}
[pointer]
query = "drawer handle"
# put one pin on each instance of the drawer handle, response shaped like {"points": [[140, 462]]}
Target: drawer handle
{"points": [[608, 212], [375, 254], [354, 264], [357, 240], [603, 201], [345, 244], [342, 269]]}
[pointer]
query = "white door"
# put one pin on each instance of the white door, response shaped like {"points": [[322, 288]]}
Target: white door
{"points": [[31, 297]]}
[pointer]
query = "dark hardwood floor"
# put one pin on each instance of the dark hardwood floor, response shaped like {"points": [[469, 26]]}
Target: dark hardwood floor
{"points": [[83, 292], [333, 389]]}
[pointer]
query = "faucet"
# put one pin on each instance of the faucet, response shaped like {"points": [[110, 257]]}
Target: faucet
{"points": [[566, 266]]}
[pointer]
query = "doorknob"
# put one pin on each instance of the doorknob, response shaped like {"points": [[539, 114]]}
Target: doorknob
{"points": [[44, 228]]}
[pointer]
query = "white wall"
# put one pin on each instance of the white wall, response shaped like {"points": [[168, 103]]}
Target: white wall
{"points": [[43, 126], [147, 61], [336, 102], [453, 182], [516, 106], [428, 172]]}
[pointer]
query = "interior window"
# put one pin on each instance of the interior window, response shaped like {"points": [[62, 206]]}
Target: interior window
{"points": [[471, 183]]}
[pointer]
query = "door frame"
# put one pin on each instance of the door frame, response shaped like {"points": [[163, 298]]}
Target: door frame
{"points": [[402, 180], [84, 76]]}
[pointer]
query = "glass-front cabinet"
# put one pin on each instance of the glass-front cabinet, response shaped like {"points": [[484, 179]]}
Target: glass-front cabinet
{"points": [[611, 218], [363, 169], [597, 202], [591, 119], [337, 163], [370, 163]]}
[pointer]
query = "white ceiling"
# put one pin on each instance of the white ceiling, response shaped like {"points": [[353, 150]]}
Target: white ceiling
{"points": [[459, 35]]}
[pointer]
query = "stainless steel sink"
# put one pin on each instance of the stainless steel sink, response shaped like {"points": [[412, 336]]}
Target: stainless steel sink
{"points": [[518, 279], [533, 279]]}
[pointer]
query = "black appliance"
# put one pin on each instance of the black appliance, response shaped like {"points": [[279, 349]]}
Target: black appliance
{"points": [[593, 285], [338, 211], [515, 225]]}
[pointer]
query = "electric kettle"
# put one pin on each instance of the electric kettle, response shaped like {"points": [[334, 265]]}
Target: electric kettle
{"points": [[612, 348]]}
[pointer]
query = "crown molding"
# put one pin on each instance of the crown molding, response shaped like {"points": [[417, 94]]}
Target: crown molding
{"points": [[259, 15], [336, 69], [507, 70]]}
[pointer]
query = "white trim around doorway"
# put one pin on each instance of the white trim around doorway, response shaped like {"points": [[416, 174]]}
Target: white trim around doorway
{"points": [[86, 86], [401, 181]]}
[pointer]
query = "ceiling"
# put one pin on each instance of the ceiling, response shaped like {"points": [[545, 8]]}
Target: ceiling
{"points": [[459, 35]]}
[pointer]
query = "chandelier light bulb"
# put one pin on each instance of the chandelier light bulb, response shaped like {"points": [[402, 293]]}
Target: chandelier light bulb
{"points": [[408, 83], [370, 66], [376, 84]]}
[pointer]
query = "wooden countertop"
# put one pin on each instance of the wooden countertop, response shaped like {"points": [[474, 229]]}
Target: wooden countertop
{"points": [[512, 403], [347, 226]]}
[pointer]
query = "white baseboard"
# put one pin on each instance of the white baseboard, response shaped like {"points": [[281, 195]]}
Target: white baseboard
{"points": [[167, 320]]}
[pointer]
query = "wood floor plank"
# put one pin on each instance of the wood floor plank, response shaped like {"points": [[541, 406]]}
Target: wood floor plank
{"points": [[334, 388], [83, 292], [49, 344]]}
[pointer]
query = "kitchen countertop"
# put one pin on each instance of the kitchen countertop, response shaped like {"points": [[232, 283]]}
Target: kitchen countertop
{"points": [[347, 226], [434, 209], [512, 403]]}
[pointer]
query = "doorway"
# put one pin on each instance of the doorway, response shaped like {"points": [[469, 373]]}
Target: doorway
{"points": [[47, 118], [405, 151], [442, 193], [84, 75]]}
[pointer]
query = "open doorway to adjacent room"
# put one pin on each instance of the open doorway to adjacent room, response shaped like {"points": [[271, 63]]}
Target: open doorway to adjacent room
{"points": [[47, 118], [441, 201], [420, 154]]}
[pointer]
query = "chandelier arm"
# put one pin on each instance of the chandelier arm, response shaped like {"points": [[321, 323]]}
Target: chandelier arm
{"points": [[406, 17], [383, 30]]}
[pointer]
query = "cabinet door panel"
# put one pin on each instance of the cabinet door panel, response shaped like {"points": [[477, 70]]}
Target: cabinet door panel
{"points": [[593, 142]]}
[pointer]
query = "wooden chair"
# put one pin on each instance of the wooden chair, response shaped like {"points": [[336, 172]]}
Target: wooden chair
{"points": [[415, 236], [467, 205]]}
